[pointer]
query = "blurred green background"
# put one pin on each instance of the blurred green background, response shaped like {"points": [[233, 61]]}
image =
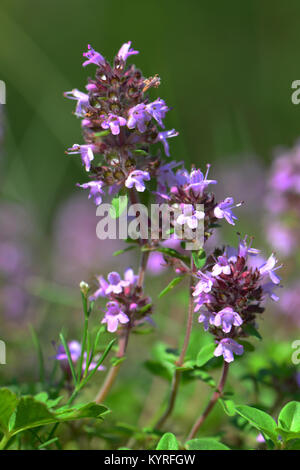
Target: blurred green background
{"points": [[226, 70]]}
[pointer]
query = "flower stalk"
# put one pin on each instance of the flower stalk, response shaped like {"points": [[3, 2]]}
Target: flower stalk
{"points": [[217, 394]]}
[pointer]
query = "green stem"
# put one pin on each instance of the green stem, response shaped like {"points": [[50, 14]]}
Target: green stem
{"points": [[4, 441], [180, 362], [83, 344], [217, 394]]}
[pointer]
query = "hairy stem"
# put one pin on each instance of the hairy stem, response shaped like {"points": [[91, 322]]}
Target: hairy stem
{"points": [[180, 361], [217, 394]]}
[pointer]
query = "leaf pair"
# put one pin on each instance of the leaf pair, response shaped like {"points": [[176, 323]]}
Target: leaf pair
{"points": [[20, 414]]}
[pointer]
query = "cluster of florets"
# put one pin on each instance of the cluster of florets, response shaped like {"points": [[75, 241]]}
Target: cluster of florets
{"points": [[119, 124], [229, 295], [126, 303], [283, 202], [189, 194]]}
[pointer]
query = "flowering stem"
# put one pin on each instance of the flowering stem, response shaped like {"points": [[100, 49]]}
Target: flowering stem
{"points": [[124, 337], [180, 362], [217, 394]]}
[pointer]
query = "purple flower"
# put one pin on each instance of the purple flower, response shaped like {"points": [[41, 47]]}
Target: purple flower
{"points": [[93, 57], [226, 318], [101, 292], [182, 177], [158, 110], [207, 318], [260, 438], [126, 51], [190, 216], [81, 98], [224, 210], [199, 182], [268, 288], [163, 136], [115, 283], [86, 152], [136, 178], [269, 267], [75, 352], [113, 316], [221, 267], [165, 175], [244, 250], [113, 123], [203, 298], [204, 285], [96, 190], [130, 277], [227, 347], [138, 116], [156, 264], [282, 238]]}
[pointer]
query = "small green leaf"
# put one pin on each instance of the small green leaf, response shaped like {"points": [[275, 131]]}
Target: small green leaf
{"points": [[101, 133], [8, 404], [117, 360], [228, 406], [205, 444], [169, 252], [48, 443], [289, 420], [199, 258], [119, 204], [120, 252], [168, 442], [247, 346], [205, 354], [161, 369], [140, 152], [171, 286], [205, 377], [259, 419], [30, 414], [79, 411], [251, 331]]}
